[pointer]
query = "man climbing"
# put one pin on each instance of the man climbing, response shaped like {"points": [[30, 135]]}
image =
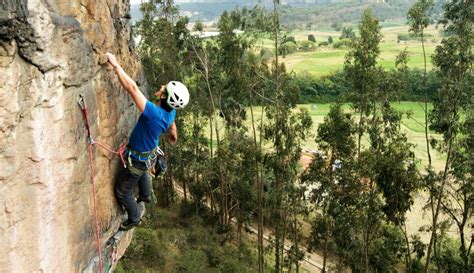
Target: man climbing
{"points": [[141, 152]]}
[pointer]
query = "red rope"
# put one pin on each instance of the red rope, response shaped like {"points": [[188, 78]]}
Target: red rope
{"points": [[91, 166], [119, 152]]}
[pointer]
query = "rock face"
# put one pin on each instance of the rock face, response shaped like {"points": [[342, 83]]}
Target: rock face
{"points": [[51, 51]]}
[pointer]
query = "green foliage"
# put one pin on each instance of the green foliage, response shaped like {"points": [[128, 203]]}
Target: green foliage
{"points": [[347, 33], [198, 26], [361, 60], [453, 60], [342, 43], [336, 13], [330, 40], [183, 243], [306, 45], [418, 17], [449, 256], [323, 43], [413, 85], [411, 37], [360, 192], [288, 39], [322, 90], [335, 134], [287, 48], [386, 249], [311, 38]]}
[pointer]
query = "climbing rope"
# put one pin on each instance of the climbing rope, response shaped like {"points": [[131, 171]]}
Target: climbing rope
{"points": [[119, 152]]}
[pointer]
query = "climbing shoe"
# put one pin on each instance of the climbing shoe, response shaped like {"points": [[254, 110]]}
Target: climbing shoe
{"points": [[143, 199], [129, 224]]}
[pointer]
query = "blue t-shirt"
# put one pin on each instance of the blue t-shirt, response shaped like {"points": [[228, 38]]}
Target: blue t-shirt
{"points": [[152, 122]]}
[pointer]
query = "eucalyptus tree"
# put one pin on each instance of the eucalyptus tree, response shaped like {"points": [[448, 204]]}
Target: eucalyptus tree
{"points": [[285, 129], [361, 71], [386, 167], [452, 117], [418, 19], [337, 148]]}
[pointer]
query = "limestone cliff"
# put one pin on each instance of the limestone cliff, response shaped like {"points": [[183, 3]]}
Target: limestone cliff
{"points": [[50, 53]]}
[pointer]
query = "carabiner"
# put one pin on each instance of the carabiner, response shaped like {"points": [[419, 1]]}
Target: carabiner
{"points": [[81, 102]]}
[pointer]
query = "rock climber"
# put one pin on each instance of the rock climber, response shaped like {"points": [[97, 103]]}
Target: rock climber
{"points": [[155, 119]]}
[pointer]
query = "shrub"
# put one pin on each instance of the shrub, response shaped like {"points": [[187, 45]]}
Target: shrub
{"points": [[347, 33], [311, 38], [321, 90], [330, 40], [342, 43], [324, 43], [287, 48], [307, 46], [289, 39], [192, 260], [411, 37]]}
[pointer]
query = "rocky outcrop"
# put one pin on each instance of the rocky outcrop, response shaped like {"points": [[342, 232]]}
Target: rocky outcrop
{"points": [[51, 51]]}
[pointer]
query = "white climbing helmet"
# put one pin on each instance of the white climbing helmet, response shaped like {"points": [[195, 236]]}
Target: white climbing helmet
{"points": [[178, 95]]}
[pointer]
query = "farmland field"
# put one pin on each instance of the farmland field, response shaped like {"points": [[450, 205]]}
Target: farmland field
{"points": [[326, 60]]}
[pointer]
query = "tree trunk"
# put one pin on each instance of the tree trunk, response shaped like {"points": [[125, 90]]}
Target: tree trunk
{"points": [[359, 136], [259, 188], [426, 102], [407, 242], [438, 206]]}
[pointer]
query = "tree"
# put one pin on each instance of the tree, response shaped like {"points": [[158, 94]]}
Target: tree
{"points": [[330, 40], [361, 70], [285, 130], [335, 139], [347, 33], [198, 26], [386, 168], [418, 20], [453, 61]]}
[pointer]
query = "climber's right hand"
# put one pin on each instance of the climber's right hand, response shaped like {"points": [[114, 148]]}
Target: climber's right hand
{"points": [[112, 59]]}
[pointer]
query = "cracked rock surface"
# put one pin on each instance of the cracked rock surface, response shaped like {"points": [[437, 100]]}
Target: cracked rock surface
{"points": [[51, 52]]}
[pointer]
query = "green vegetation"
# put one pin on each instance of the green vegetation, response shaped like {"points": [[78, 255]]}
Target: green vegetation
{"points": [[178, 240], [412, 126], [242, 137]]}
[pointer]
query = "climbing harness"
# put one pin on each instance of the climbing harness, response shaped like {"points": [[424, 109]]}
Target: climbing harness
{"points": [[119, 152]]}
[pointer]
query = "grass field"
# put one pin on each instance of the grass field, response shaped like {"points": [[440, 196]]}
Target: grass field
{"points": [[326, 60], [413, 126]]}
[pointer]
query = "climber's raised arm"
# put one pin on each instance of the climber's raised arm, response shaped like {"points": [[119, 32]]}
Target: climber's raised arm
{"points": [[128, 83]]}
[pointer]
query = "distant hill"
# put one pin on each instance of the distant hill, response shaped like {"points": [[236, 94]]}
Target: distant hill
{"points": [[301, 13]]}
